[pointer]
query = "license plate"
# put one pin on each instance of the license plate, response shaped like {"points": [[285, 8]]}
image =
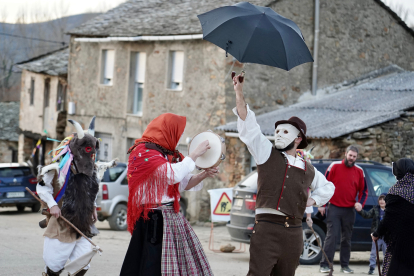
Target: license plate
{"points": [[238, 203], [15, 194]]}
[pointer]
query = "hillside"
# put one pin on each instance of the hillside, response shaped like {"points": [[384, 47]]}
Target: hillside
{"points": [[45, 37]]}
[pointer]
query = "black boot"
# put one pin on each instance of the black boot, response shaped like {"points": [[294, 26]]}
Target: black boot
{"points": [[51, 273]]}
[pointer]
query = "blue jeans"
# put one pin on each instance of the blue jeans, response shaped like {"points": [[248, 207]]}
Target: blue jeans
{"points": [[373, 257]]}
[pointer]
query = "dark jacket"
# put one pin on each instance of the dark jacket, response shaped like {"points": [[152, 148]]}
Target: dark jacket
{"points": [[396, 229], [374, 213]]}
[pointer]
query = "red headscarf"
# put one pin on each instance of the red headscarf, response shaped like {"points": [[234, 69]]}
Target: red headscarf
{"points": [[147, 173]]}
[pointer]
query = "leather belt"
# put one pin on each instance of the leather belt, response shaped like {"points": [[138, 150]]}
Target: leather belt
{"points": [[286, 225]]}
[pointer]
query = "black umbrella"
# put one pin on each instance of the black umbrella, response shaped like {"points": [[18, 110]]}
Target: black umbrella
{"points": [[256, 34]]}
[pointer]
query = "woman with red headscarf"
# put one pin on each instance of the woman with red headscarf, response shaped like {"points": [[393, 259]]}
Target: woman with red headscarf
{"points": [[163, 242]]}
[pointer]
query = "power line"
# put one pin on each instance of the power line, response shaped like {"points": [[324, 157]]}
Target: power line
{"points": [[32, 38]]}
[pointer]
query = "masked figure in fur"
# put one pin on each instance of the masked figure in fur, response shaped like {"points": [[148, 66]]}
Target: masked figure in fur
{"points": [[69, 187]]}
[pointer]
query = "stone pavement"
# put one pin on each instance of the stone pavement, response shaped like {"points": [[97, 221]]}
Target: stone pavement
{"points": [[21, 246]]}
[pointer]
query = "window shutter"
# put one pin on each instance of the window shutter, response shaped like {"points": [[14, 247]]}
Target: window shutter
{"points": [[109, 64], [140, 72], [177, 66]]}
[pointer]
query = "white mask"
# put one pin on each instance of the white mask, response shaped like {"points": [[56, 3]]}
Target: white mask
{"points": [[284, 135]]}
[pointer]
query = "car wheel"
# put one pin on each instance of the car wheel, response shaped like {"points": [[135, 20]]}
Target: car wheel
{"points": [[183, 208], [20, 207], [312, 253], [118, 220]]}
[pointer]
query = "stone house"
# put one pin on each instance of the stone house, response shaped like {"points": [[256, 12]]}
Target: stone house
{"points": [[43, 104], [373, 112], [144, 58], [9, 124]]}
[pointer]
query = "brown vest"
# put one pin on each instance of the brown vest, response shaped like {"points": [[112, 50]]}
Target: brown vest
{"points": [[283, 187]]}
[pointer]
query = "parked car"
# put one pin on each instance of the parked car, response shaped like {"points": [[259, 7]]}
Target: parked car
{"points": [[14, 178], [379, 179], [112, 198]]}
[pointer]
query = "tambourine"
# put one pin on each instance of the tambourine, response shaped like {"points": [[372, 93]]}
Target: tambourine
{"points": [[213, 156]]}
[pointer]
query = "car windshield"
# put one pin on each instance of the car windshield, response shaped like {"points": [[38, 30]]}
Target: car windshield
{"points": [[112, 174], [381, 180], [14, 172]]}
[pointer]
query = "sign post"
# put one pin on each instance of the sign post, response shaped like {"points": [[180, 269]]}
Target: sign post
{"points": [[220, 203]]}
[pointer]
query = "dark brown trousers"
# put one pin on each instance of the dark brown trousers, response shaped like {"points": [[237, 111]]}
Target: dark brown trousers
{"points": [[275, 246]]}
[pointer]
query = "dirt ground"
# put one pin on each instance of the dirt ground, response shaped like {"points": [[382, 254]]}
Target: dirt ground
{"points": [[21, 247]]}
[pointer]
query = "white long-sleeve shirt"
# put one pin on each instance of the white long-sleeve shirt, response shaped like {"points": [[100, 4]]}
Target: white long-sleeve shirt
{"points": [[260, 148], [181, 173]]}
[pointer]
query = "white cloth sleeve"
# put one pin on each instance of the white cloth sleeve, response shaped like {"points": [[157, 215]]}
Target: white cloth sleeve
{"points": [[180, 170], [309, 210], [249, 132], [184, 184], [322, 189], [46, 192]]}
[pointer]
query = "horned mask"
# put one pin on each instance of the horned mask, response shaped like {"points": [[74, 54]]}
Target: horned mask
{"points": [[83, 147]]}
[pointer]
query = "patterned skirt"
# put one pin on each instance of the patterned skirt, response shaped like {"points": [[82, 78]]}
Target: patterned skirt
{"points": [[182, 253], [165, 245]]}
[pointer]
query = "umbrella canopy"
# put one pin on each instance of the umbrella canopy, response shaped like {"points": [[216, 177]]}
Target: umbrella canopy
{"points": [[256, 34]]}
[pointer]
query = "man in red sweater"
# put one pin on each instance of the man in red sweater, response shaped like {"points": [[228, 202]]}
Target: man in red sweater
{"points": [[349, 181]]}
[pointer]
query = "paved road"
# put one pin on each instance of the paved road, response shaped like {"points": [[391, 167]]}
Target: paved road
{"points": [[21, 247]]}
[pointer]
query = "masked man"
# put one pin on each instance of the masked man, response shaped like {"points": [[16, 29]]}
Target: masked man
{"points": [[282, 192], [69, 187]]}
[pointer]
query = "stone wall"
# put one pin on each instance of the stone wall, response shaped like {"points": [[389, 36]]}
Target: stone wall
{"points": [[356, 37], [384, 143], [9, 123], [201, 100], [6, 151], [32, 116], [26, 146]]}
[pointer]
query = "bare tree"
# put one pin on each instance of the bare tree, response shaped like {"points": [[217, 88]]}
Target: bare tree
{"points": [[7, 55], [22, 41]]}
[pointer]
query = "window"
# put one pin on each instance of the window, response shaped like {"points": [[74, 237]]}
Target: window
{"points": [[176, 70], [104, 152], [31, 91], [46, 96], [112, 174], [15, 172], [381, 180], [107, 68], [61, 97], [47, 93], [136, 82]]}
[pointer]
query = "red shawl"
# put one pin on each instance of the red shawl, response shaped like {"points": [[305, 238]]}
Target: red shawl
{"points": [[147, 173]]}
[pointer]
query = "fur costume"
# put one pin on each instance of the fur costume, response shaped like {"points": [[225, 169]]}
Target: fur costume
{"points": [[70, 182], [78, 204]]}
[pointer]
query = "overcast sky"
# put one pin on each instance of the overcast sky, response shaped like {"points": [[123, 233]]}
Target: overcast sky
{"points": [[10, 9]]}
